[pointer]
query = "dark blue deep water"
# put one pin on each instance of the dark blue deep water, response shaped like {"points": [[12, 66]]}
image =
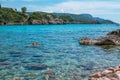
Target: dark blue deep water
{"points": [[59, 50]]}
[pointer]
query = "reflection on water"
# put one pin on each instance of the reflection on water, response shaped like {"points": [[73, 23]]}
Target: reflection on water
{"points": [[59, 51]]}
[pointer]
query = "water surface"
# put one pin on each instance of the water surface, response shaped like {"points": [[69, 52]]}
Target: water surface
{"points": [[59, 49]]}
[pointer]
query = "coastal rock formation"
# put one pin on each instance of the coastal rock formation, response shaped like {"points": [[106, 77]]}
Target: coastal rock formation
{"points": [[112, 38], [108, 74]]}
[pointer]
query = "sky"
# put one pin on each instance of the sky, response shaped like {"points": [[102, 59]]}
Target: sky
{"points": [[107, 9]]}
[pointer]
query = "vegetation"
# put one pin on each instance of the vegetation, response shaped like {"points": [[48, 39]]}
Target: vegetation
{"points": [[8, 15], [23, 9], [0, 6], [12, 16], [66, 18]]}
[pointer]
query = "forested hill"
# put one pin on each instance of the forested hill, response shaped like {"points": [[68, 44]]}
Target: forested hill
{"points": [[10, 16]]}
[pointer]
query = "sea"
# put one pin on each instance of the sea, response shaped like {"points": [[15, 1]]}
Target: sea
{"points": [[58, 51]]}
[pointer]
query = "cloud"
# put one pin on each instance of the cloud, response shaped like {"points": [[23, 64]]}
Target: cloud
{"points": [[77, 7], [101, 8]]}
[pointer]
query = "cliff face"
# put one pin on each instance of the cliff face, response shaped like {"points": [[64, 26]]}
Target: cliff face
{"points": [[45, 21]]}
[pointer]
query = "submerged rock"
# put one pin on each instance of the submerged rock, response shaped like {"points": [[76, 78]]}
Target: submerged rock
{"points": [[50, 75], [108, 74], [36, 66], [112, 38], [35, 44], [16, 78], [5, 65]]}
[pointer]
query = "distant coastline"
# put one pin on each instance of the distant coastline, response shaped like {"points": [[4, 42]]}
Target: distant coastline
{"points": [[10, 16]]}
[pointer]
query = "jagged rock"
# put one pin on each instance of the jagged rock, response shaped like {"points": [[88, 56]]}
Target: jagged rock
{"points": [[112, 38], [117, 33]]}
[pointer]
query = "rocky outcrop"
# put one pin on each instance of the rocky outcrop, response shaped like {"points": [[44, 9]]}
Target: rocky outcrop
{"points": [[108, 74], [112, 38], [45, 21]]}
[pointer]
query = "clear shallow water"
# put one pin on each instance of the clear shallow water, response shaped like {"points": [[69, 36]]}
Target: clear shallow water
{"points": [[59, 50]]}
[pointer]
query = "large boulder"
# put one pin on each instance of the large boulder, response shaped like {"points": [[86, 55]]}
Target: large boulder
{"points": [[112, 38]]}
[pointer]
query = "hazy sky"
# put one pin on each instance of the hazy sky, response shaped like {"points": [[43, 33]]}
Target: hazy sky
{"points": [[107, 9]]}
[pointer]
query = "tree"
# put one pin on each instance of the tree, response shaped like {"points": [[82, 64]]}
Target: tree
{"points": [[0, 6], [23, 9]]}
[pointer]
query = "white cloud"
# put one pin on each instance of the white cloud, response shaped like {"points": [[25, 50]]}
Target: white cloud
{"points": [[78, 7], [105, 9]]}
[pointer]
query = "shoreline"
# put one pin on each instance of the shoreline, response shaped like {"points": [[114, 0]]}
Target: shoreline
{"points": [[58, 24]]}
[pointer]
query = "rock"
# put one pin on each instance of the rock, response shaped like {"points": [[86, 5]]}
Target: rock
{"points": [[50, 75], [5, 65], [35, 44], [36, 66], [117, 33], [49, 72], [16, 78], [96, 75], [108, 74], [87, 41], [112, 38]]}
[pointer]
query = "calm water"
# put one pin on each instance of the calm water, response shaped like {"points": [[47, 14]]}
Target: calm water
{"points": [[59, 50]]}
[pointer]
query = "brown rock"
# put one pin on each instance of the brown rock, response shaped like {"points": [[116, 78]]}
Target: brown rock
{"points": [[50, 75], [35, 44], [17, 78], [96, 75], [108, 74], [112, 38]]}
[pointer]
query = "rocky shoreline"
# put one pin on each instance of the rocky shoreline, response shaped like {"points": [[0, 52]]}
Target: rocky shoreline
{"points": [[112, 38], [108, 74]]}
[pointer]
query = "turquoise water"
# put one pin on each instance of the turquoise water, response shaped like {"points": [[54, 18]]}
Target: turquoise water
{"points": [[59, 49]]}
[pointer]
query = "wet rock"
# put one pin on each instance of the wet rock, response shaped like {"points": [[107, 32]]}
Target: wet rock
{"points": [[16, 78], [108, 74], [117, 32], [5, 65], [76, 77], [87, 41], [36, 66], [112, 38], [35, 44], [50, 75]]}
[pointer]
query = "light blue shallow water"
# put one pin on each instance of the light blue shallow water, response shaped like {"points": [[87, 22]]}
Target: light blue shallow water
{"points": [[59, 50]]}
